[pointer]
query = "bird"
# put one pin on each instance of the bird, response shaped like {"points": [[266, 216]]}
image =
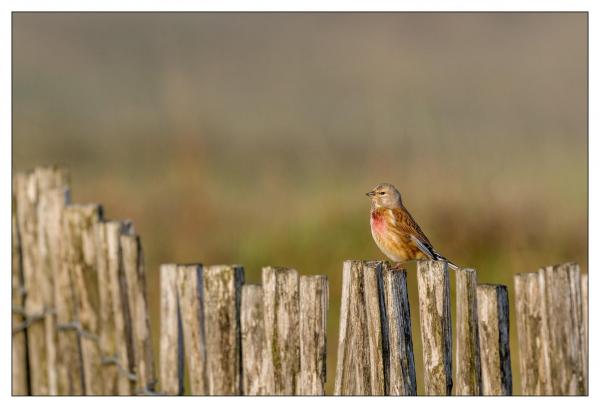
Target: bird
{"points": [[395, 231]]}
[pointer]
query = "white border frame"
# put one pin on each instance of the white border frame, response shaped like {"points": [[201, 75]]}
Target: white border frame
{"points": [[306, 5]]}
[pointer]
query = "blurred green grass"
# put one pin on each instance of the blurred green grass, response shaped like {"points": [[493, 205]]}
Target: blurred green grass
{"points": [[252, 138]]}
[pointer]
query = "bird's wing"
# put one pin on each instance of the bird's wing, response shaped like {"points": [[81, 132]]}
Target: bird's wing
{"points": [[404, 224], [426, 249]]}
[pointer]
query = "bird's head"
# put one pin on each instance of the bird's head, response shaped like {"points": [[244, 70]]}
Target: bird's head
{"points": [[385, 195]]}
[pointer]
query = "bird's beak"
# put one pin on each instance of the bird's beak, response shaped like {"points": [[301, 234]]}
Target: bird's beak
{"points": [[371, 193]]}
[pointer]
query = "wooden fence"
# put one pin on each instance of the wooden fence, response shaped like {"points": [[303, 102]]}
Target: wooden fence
{"points": [[81, 324]]}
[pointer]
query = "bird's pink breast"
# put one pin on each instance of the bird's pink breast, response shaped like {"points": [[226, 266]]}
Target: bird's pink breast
{"points": [[377, 222]]}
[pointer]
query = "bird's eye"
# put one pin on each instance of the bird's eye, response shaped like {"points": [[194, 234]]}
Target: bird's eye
{"points": [[381, 193]]}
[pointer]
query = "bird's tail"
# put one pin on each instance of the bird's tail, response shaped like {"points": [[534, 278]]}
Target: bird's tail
{"points": [[439, 257]]}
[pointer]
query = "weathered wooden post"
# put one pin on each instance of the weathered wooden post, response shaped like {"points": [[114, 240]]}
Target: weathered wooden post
{"points": [[79, 226], [314, 302], [561, 285], [399, 357], [70, 373], [38, 259], [222, 287], [376, 325], [282, 329], [375, 344], [468, 362], [532, 330], [254, 346], [55, 202], [353, 373], [116, 375], [20, 385], [51, 209], [551, 328], [190, 294], [436, 326], [283, 334], [171, 337], [492, 311], [141, 359]]}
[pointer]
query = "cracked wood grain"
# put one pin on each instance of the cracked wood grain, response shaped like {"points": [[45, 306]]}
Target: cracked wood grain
{"points": [[364, 359], [401, 377], [375, 353], [314, 300], [222, 287], [254, 346], [171, 337], [561, 286], [79, 225], [353, 374], [282, 327], [137, 317], [113, 336], [20, 384], [468, 362], [38, 236], [493, 325], [532, 331], [436, 327], [585, 340], [190, 294]]}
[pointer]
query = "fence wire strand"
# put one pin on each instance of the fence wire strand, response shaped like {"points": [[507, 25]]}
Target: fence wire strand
{"points": [[76, 325], [113, 360], [29, 318]]}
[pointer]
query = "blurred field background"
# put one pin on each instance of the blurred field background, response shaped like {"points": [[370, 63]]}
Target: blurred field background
{"points": [[252, 138]]}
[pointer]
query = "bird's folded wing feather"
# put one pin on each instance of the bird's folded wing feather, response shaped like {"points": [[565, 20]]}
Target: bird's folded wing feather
{"points": [[427, 250], [404, 224]]}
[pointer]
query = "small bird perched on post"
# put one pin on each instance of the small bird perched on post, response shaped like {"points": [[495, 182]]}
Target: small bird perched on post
{"points": [[395, 231]]}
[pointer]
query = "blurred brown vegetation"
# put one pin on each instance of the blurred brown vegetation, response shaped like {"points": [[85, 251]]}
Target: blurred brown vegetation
{"points": [[252, 138]]}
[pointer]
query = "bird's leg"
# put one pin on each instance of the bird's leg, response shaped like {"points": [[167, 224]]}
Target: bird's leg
{"points": [[400, 265]]}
